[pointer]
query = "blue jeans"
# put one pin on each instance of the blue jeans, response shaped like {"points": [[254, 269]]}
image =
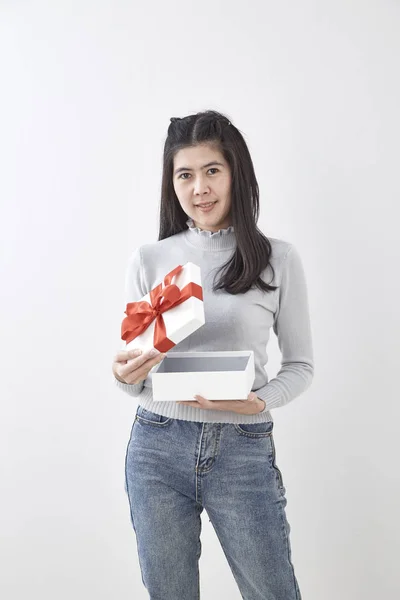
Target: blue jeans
{"points": [[174, 469]]}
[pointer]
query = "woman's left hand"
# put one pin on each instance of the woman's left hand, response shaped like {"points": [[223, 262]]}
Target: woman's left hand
{"points": [[251, 406]]}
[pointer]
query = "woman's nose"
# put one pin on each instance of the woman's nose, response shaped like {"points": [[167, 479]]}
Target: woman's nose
{"points": [[200, 185]]}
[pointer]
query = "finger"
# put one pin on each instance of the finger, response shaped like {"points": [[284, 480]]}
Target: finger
{"points": [[136, 368], [221, 405], [200, 403], [224, 402], [234, 405], [124, 355], [136, 354], [209, 405]]}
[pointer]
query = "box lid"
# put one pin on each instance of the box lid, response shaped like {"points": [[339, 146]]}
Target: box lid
{"points": [[181, 288]]}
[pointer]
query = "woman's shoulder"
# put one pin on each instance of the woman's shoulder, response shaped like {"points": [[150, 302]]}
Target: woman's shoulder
{"points": [[159, 249], [279, 248], [160, 245]]}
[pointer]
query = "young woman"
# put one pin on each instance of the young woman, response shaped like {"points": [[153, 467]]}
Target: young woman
{"points": [[183, 457]]}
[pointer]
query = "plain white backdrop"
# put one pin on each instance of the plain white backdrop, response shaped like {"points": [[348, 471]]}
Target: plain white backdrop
{"points": [[87, 91]]}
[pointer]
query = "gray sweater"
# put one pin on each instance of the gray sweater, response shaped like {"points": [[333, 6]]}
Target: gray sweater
{"points": [[232, 322]]}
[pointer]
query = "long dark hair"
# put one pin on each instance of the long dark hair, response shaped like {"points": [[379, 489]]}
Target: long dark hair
{"points": [[253, 249]]}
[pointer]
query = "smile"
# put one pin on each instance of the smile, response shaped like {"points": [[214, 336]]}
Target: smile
{"points": [[206, 207]]}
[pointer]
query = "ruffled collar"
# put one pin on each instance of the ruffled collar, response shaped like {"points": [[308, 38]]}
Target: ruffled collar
{"points": [[223, 239]]}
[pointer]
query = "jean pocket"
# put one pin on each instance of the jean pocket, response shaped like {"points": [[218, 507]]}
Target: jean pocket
{"points": [[257, 430], [276, 469], [147, 417]]}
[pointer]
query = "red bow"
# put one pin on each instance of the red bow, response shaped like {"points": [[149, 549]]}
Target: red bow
{"points": [[141, 314]]}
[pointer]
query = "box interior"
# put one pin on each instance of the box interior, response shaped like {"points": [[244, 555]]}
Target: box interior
{"points": [[172, 364]]}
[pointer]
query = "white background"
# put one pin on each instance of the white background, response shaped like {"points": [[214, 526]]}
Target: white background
{"points": [[87, 91]]}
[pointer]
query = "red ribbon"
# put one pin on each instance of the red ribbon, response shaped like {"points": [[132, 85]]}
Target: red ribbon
{"points": [[141, 314]]}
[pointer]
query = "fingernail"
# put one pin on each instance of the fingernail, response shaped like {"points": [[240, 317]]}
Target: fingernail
{"points": [[154, 352]]}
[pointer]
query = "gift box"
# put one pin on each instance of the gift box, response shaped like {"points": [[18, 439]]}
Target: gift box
{"points": [[168, 313], [225, 375]]}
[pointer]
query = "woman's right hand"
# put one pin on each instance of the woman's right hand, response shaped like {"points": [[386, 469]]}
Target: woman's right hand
{"points": [[133, 366]]}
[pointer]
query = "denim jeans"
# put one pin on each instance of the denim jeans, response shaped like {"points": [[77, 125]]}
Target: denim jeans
{"points": [[174, 469]]}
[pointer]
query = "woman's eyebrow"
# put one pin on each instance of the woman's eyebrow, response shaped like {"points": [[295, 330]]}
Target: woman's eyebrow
{"points": [[214, 162]]}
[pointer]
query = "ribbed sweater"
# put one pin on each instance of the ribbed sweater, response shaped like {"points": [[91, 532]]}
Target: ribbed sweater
{"points": [[232, 321]]}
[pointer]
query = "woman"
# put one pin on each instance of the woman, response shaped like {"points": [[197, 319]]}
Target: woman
{"points": [[183, 457]]}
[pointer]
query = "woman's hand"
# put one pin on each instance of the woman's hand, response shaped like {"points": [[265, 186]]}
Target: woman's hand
{"points": [[133, 366], [251, 406]]}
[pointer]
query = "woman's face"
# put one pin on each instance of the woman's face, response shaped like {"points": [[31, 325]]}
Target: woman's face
{"points": [[202, 175]]}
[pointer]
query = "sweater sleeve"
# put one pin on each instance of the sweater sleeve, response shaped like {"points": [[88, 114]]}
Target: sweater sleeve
{"points": [[133, 292], [293, 329]]}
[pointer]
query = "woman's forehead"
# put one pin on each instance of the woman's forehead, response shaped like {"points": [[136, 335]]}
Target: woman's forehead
{"points": [[197, 155]]}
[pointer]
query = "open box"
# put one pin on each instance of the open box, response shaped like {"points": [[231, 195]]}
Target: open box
{"points": [[225, 375]]}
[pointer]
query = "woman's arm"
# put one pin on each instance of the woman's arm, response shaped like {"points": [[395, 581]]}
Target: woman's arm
{"points": [[293, 329], [133, 293]]}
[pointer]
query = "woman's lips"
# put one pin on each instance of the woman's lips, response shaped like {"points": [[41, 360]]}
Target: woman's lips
{"points": [[206, 208]]}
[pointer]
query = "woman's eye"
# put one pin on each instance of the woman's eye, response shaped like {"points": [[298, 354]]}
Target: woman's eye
{"points": [[181, 175]]}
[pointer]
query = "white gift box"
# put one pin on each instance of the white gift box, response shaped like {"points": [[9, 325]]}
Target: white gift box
{"points": [[180, 321], [214, 375]]}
